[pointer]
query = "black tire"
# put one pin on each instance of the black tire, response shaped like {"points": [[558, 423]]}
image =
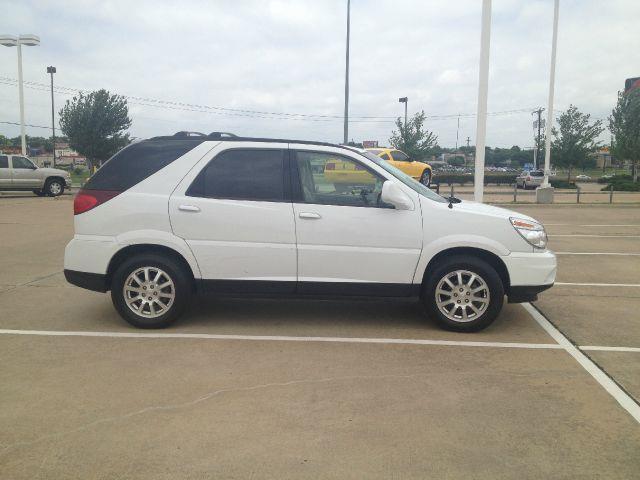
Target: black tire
{"points": [[39, 193], [176, 272], [473, 265], [425, 178], [54, 187]]}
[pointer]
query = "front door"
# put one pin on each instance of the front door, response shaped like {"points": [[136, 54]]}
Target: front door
{"points": [[235, 213], [348, 241], [23, 173], [5, 173]]}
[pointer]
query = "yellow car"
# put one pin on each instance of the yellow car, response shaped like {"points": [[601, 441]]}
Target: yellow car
{"points": [[418, 170]]}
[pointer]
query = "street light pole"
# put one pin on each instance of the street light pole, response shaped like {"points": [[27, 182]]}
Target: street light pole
{"points": [[483, 90], [13, 41], [346, 78], [51, 71], [552, 79], [404, 100]]}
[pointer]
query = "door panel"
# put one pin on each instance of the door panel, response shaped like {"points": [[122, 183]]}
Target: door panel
{"points": [[239, 239], [339, 241], [24, 177]]}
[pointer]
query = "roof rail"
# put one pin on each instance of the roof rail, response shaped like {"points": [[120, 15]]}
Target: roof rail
{"points": [[220, 135], [185, 133]]}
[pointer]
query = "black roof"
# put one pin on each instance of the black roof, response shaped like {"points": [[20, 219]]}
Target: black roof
{"points": [[230, 137]]}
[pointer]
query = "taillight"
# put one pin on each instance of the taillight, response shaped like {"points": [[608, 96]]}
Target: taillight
{"points": [[85, 200], [528, 178]]}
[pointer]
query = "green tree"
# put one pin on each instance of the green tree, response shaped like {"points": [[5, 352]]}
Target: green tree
{"points": [[575, 140], [413, 139], [96, 125], [624, 124]]}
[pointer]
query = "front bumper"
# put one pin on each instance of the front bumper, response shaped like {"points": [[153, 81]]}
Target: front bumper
{"points": [[530, 273]]}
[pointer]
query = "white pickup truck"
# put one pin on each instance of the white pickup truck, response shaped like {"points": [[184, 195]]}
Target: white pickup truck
{"points": [[20, 173]]}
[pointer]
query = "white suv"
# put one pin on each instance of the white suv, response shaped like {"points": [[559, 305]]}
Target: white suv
{"points": [[171, 216]]}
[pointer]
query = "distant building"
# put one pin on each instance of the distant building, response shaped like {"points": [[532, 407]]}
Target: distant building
{"points": [[603, 157]]}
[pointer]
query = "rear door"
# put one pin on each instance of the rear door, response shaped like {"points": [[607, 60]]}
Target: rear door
{"points": [[5, 173], [234, 211], [24, 174]]}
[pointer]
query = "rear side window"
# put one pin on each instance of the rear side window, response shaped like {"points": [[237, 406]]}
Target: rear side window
{"points": [[242, 175], [133, 164], [536, 173], [4, 161]]}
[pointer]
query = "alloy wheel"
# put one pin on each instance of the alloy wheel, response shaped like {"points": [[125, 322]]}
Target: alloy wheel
{"points": [[149, 292], [462, 296]]}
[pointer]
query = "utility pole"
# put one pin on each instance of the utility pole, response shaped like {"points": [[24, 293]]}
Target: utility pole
{"points": [[538, 123], [404, 100], [51, 71], [468, 152], [346, 78], [552, 79], [457, 132]]}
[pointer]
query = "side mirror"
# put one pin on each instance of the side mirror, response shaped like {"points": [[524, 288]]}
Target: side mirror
{"points": [[393, 194]]}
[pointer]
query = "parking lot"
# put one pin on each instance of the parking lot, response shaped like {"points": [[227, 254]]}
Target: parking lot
{"points": [[321, 389]]}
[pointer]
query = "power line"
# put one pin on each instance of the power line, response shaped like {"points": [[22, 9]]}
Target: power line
{"points": [[233, 112]]}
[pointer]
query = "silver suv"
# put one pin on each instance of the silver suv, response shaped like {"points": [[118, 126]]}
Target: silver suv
{"points": [[20, 173]]}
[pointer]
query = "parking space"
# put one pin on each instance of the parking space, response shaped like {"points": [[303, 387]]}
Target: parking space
{"points": [[291, 388]]}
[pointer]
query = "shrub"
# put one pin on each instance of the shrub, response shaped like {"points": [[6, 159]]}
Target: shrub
{"points": [[616, 178], [624, 186], [562, 184], [460, 179]]}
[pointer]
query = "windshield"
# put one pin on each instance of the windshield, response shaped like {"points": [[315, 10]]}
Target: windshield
{"points": [[404, 178]]}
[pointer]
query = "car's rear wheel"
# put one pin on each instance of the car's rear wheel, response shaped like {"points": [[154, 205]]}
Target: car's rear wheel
{"points": [[150, 291], [425, 178], [54, 187], [464, 294]]}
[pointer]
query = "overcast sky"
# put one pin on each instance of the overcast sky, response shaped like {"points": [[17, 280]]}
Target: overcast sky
{"points": [[286, 56]]}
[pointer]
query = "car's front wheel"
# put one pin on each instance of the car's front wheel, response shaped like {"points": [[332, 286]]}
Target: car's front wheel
{"points": [[425, 178], [54, 187], [464, 294], [150, 291]]}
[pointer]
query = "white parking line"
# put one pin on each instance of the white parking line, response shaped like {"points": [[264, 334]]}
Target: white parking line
{"points": [[592, 235], [281, 338], [609, 385], [592, 225], [599, 253], [610, 349], [597, 284]]}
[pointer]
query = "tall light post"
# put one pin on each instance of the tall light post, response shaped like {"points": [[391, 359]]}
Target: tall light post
{"points": [[552, 80], [346, 78], [404, 100], [12, 41], [51, 71], [483, 90]]}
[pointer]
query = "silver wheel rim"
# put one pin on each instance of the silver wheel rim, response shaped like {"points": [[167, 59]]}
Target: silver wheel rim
{"points": [[149, 292], [55, 188], [462, 296], [426, 179]]}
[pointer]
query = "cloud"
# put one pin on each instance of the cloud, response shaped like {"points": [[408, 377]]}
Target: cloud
{"points": [[288, 56]]}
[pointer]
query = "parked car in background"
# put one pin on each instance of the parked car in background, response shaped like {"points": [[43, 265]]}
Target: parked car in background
{"points": [[417, 170], [170, 216], [530, 179], [583, 177], [19, 173]]}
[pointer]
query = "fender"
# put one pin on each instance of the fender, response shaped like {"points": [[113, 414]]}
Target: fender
{"points": [[441, 244], [161, 238]]}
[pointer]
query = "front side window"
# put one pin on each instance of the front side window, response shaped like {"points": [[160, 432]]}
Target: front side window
{"points": [[385, 156], [398, 156], [4, 161], [330, 179], [250, 174], [21, 162]]}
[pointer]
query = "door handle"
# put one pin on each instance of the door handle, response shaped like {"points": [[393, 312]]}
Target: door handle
{"points": [[189, 208], [309, 215]]}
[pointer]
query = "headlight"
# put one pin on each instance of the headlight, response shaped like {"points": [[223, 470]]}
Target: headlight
{"points": [[531, 231]]}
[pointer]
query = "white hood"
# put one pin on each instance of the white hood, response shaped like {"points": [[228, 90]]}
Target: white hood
{"points": [[484, 209]]}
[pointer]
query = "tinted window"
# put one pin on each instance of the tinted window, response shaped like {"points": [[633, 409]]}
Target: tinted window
{"points": [[398, 156], [4, 161], [330, 179], [536, 173], [21, 162], [385, 156], [242, 175], [138, 161]]}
